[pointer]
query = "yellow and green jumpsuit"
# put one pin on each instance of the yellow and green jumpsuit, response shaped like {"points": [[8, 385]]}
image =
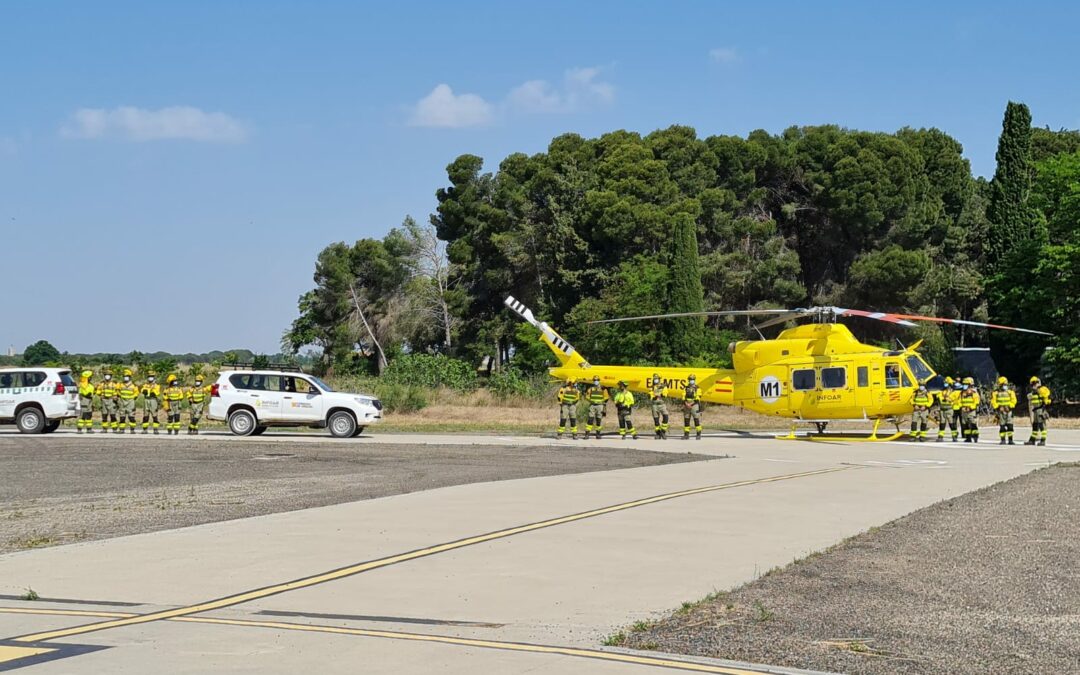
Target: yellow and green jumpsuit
{"points": [[127, 392], [568, 402], [1004, 400], [969, 409], [196, 397], [691, 410], [955, 421], [151, 393], [597, 398], [173, 394], [920, 414], [106, 392], [1039, 405], [86, 406], [659, 410], [624, 405]]}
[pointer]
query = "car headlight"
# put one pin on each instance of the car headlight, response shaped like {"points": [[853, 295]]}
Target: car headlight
{"points": [[362, 400]]}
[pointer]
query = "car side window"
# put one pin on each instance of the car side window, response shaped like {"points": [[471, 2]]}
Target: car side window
{"points": [[33, 378], [304, 387], [241, 380], [271, 382], [7, 380]]}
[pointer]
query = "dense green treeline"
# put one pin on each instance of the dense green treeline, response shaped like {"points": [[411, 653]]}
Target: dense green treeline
{"points": [[626, 224]]}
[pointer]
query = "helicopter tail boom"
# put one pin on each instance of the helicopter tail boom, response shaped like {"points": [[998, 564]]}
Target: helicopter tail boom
{"points": [[564, 351]]}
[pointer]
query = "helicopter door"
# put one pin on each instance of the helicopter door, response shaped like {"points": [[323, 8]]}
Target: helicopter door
{"points": [[804, 386], [835, 388], [897, 382]]}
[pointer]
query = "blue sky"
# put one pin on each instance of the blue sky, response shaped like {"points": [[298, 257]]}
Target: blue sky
{"points": [[168, 171]]}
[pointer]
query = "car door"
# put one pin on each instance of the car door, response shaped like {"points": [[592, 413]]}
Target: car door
{"points": [[9, 380], [301, 401], [265, 394]]}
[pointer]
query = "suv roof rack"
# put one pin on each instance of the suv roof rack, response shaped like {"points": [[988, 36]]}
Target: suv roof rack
{"points": [[286, 367]]}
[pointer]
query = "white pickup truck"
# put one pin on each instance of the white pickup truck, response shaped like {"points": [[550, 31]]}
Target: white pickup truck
{"points": [[253, 400]]}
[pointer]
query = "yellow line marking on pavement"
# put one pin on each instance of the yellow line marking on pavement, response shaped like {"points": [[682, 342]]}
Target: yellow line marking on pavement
{"points": [[654, 661], [15, 653], [351, 570]]}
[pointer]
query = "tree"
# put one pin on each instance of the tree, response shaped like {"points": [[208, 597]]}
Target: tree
{"points": [[1012, 219], [40, 353], [685, 294], [431, 287]]}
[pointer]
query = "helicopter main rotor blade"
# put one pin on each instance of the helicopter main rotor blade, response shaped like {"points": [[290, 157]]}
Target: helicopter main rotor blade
{"points": [[793, 314], [734, 312], [907, 319]]}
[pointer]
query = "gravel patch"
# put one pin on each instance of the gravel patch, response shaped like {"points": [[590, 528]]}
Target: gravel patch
{"points": [[988, 582], [62, 489]]}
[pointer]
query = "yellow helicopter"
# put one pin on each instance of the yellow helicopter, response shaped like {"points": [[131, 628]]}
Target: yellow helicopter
{"points": [[816, 372]]}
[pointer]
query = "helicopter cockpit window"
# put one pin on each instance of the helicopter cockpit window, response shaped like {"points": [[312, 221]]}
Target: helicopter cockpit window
{"points": [[803, 380], [919, 369], [833, 378], [892, 375]]}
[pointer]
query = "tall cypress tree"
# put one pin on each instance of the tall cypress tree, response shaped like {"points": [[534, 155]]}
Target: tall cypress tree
{"points": [[686, 293], [1012, 220], [1013, 244]]}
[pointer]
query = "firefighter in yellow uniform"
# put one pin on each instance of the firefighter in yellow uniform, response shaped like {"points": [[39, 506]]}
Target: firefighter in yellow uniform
{"points": [[1039, 405], [86, 403], [127, 392], [105, 391], [196, 397], [969, 410], [624, 405], [942, 408], [569, 396], [151, 396], [597, 397], [955, 422], [172, 395], [691, 407], [1004, 401], [920, 415], [659, 407]]}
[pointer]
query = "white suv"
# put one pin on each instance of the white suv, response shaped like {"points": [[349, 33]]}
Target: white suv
{"points": [[252, 400], [37, 400]]}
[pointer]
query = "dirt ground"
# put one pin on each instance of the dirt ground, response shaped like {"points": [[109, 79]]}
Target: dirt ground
{"points": [[985, 583], [61, 489]]}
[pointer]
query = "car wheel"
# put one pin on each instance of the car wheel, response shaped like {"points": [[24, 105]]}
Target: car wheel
{"points": [[342, 424], [52, 426], [30, 421], [242, 422], [359, 430], [259, 430]]}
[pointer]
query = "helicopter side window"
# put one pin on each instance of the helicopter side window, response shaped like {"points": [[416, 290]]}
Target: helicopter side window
{"points": [[833, 378], [803, 380], [892, 375], [864, 376]]}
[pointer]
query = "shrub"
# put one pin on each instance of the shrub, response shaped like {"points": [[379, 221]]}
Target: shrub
{"points": [[401, 398], [511, 382], [427, 370]]}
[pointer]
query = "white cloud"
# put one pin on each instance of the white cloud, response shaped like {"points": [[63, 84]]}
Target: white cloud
{"points": [[443, 108], [581, 87], [724, 55], [139, 124]]}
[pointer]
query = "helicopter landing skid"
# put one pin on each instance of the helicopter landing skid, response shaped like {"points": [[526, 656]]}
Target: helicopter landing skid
{"points": [[851, 436]]}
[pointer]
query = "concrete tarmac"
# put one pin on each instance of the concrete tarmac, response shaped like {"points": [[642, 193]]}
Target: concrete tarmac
{"points": [[523, 575]]}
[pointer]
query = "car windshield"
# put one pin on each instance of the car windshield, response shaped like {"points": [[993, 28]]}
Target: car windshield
{"points": [[322, 385], [919, 369]]}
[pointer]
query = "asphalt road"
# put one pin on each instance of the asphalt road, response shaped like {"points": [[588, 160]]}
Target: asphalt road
{"points": [[66, 488]]}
